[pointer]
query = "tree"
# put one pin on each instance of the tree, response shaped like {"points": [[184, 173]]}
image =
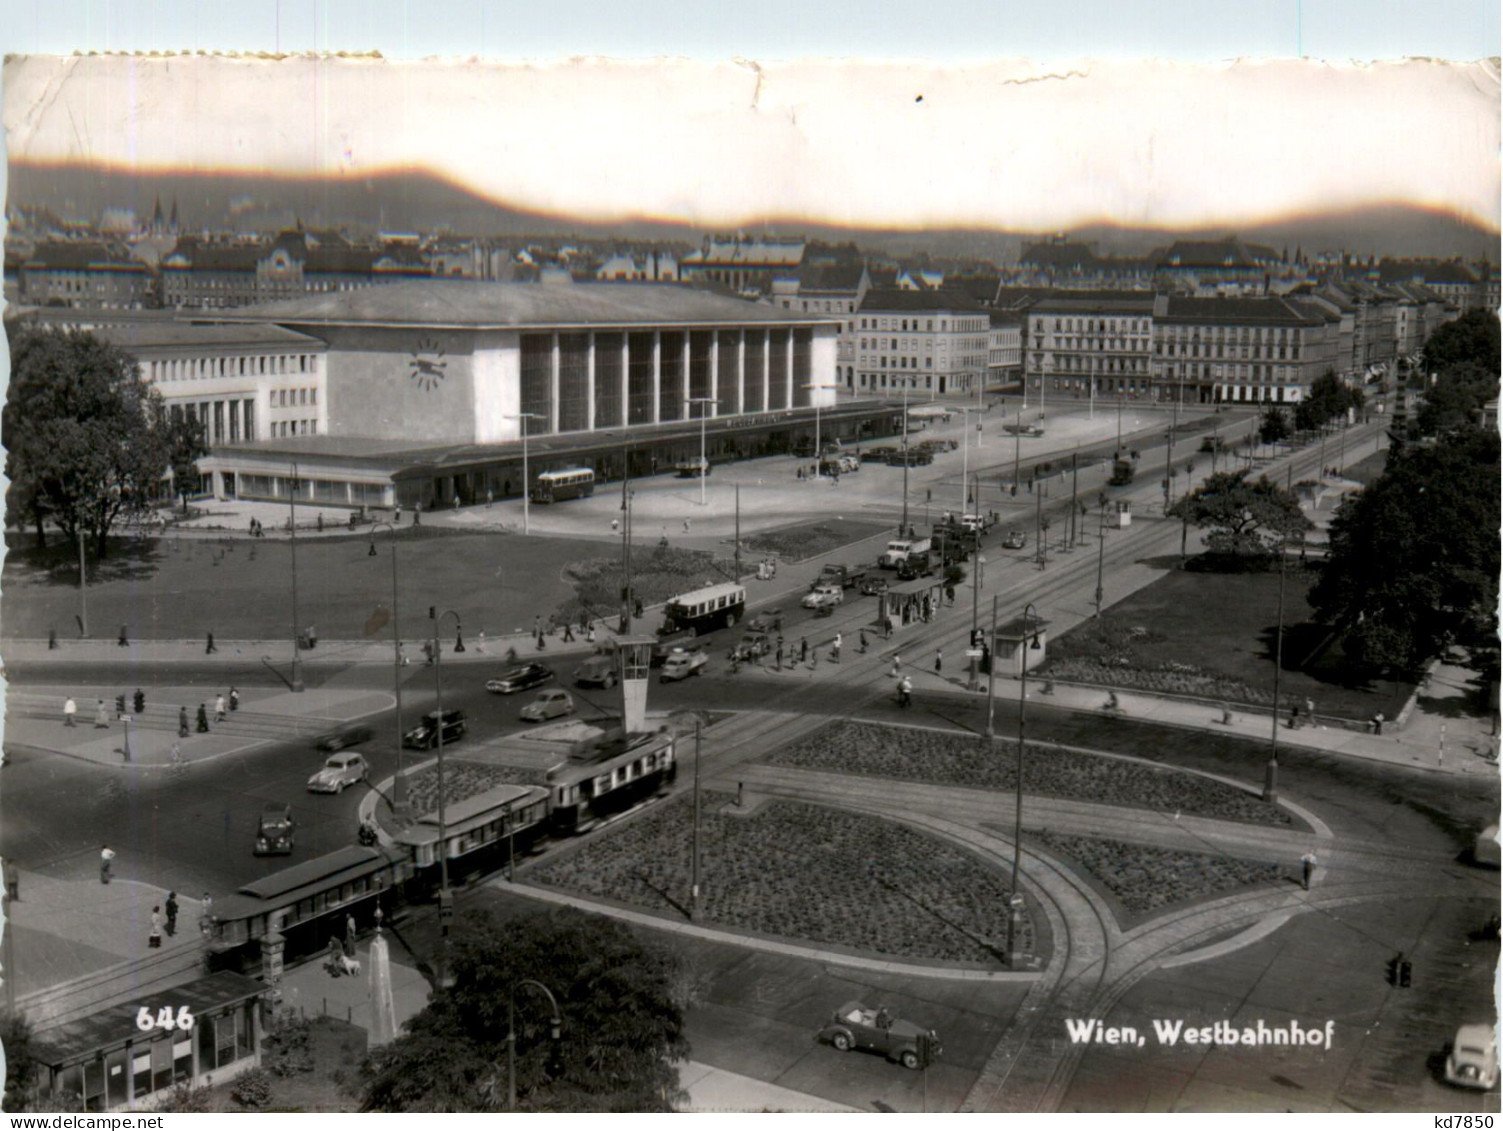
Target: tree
{"points": [[22, 1077], [1414, 559], [1329, 397], [1247, 519], [622, 1004], [1274, 426], [1472, 338], [1455, 399], [87, 440]]}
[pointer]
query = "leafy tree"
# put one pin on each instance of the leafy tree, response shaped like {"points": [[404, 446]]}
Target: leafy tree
{"points": [[1472, 338], [1246, 518], [1414, 558], [621, 1001], [88, 442], [1274, 426], [1455, 398], [22, 1073]]}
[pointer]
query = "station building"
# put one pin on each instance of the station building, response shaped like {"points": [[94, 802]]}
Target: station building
{"points": [[427, 387]]}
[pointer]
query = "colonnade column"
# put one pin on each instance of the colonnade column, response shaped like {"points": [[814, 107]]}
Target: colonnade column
{"points": [[590, 385], [625, 378], [714, 371], [657, 376], [766, 397], [553, 387], [685, 392], [741, 371], [788, 368]]}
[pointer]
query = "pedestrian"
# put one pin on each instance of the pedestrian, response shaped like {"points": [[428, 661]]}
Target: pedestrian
{"points": [[686, 526], [203, 720], [615, 525], [253, 528], [106, 858], [70, 708], [939, 661], [837, 645], [219, 708], [396, 516], [182, 722], [490, 497], [637, 607], [12, 881], [1310, 710], [1294, 717], [863, 641], [319, 521], [590, 635], [780, 653], [171, 908], [235, 699], [568, 633], [897, 665], [101, 717], [155, 939], [417, 514], [803, 649], [480, 642], [349, 935], [456, 502], [1309, 862], [1378, 723], [1226, 714]]}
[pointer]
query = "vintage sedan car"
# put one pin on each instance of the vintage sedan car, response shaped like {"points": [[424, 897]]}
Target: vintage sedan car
{"points": [[1015, 540], [549, 704], [874, 584], [854, 1026], [752, 647], [597, 671], [1473, 1059], [274, 833], [681, 664], [350, 734], [764, 620], [339, 770], [520, 678], [826, 596], [425, 736]]}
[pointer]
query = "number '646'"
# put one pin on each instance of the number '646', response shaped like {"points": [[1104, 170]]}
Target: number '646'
{"points": [[164, 1018]]}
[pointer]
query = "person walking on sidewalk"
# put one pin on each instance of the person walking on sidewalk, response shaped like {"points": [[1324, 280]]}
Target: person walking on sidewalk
{"points": [[70, 709], [897, 665], [1309, 862], [780, 653], [234, 700], [12, 881], [219, 708], [939, 661], [837, 647], [155, 939], [171, 914], [803, 650], [182, 722], [203, 720], [106, 858], [568, 633], [1310, 711], [101, 717]]}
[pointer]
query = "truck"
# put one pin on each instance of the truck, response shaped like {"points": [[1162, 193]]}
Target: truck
{"points": [[901, 549], [1122, 472], [842, 575]]}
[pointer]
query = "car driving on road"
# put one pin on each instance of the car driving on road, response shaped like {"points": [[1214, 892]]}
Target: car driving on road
{"points": [[549, 704], [338, 771], [350, 734], [854, 1026], [823, 597], [275, 831], [425, 735], [681, 664], [1473, 1059], [1015, 540], [597, 671], [520, 678]]}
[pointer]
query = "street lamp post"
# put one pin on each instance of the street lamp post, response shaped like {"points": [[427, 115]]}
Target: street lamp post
{"points": [[1101, 556], [83, 586], [297, 676], [555, 1025], [704, 463], [991, 674], [818, 445], [523, 418], [907, 384], [1271, 771], [1030, 614], [399, 785], [445, 897]]}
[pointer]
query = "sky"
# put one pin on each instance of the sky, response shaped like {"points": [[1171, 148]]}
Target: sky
{"points": [[730, 131]]}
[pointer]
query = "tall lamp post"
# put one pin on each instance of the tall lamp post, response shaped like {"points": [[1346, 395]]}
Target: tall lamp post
{"points": [[1271, 770], [523, 418], [907, 384], [818, 453], [1101, 555], [1015, 896], [704, 462], [399, 785], [555, 1026], [445, 896], [297, 675]]}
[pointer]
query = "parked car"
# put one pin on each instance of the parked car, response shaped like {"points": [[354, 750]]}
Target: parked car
{"points": [[549, 704], [1015, 540], [764, 621], [597, 671], [856, 1027], [877, 454], [350, 734], [520, 678], [339, 771], [425, 735], [826, 596], [275, 832], [681, 664], [1473, 1059]]}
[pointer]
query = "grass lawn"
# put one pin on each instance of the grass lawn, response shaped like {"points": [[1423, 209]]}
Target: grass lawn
{"points": [[1212, 635], [801, 872], [802, 541], [950, 758], [332, 1051]]}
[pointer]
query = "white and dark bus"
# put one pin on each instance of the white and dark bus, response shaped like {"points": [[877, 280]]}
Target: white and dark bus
{"points": [[556, 486], [705, 610]]}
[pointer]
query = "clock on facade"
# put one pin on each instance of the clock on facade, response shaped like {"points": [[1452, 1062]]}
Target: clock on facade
{"points": [[428, 363]]}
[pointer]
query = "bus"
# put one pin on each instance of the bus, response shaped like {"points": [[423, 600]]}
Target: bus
{"points": [[556, 486], [704, 610]]}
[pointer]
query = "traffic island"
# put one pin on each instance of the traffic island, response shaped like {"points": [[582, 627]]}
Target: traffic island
{"points": [[847, 882]]}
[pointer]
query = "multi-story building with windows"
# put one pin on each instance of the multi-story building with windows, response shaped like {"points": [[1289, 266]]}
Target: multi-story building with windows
{"points": [[81, 273], [1211, 266], [744, 266], [1213, 350], [832, 288], [928, 341], [1004, 349], [1085, 342]]}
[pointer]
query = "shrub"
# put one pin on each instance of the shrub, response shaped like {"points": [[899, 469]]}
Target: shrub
{"points": [[187, 1099], [288, 1047], [253, 1089]]}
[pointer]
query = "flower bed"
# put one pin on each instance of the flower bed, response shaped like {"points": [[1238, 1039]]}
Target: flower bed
{"points": [[810, 540], [656, 575], [1146, 879], [1167, 679], [801, 872], [947, 758], [462, 780]]}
